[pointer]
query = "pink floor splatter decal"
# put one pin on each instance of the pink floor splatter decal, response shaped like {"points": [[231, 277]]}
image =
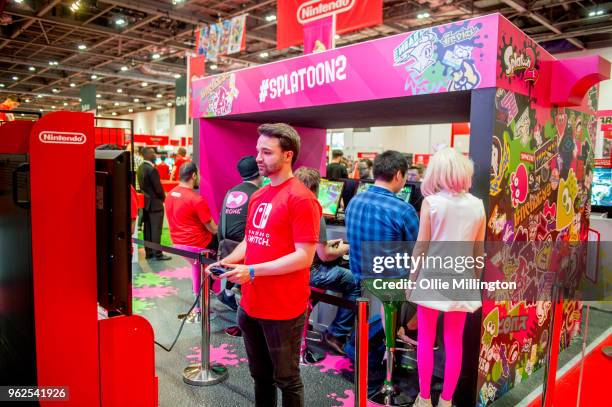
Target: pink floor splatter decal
{"points": [[179, 273], [348, 399], [224, 354], [153, 292], [335, 364]]}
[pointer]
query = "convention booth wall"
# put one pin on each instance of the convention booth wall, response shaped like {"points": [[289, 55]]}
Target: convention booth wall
{"points": [[532, 121]]}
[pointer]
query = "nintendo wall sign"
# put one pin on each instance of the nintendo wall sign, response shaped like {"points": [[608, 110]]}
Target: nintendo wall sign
{"points": [[61, 137], [316, 9]]}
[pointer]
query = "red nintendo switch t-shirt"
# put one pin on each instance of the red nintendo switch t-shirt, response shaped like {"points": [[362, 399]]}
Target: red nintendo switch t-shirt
{"points": [[278, 217], [187, 214]]}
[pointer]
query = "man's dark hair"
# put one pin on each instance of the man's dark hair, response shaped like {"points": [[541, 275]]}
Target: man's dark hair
{"points": [[187, 170], [108, 147], [387, 164], [368, 162], [337, 153], [309, 177], [182, 151], [14, 98], [288, 138]]}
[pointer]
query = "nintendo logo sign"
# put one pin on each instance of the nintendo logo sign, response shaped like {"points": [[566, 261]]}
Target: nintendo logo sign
{"points": [[61, 137], [316, 9]]}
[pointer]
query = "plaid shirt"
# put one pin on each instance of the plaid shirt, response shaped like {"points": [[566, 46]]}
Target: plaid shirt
{"points": [[377, 215]]}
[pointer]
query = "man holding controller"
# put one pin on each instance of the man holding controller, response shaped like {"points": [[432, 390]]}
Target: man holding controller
{"points": [[281, 235]]}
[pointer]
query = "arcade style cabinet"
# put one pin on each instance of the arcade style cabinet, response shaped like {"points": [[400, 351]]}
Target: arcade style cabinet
{"points": [[532, 121], [50, 334]]}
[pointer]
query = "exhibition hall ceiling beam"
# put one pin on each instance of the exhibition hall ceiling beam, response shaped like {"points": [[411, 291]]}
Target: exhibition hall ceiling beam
{"points": [[30, 21]]}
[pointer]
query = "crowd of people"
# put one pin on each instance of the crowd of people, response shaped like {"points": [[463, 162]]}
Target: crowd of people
{"points": [[274, 243], [341, 167]]}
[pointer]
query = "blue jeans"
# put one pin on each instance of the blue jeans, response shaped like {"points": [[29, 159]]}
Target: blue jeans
{"points": [[340, 280]]}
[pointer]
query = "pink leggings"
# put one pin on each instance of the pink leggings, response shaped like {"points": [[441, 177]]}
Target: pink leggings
{"points": [[454, 322]]}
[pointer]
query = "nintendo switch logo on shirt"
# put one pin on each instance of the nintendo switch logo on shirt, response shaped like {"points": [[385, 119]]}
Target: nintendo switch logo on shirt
{"points": [[62, 137], [262, 213]]}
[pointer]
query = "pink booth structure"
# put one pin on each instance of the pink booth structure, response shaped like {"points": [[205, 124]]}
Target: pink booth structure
{"points": [[532, 129]]}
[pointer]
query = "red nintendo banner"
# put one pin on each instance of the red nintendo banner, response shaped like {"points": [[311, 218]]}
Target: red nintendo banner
{"points": [[152, 140], [369, 156], [603, 162], [421, 159], [350, 15]]}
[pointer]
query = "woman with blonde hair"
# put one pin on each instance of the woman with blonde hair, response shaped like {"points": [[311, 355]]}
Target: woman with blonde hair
{"points": [[449, 213]]}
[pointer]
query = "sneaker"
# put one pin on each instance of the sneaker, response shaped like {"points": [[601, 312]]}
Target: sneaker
{"points": [[334, 343], [194, 317], [445, 403], [163, 257], [421, 402], [228, 300]]}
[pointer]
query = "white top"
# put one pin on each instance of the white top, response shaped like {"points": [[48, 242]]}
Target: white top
{"points": [[454, 218]]}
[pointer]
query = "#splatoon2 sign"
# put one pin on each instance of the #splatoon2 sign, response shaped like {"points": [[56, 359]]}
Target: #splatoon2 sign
{"points": [[350, 15]]}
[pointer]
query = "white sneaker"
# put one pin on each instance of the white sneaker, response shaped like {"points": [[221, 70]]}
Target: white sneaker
{"points": [[421, 402], [445, 403]]}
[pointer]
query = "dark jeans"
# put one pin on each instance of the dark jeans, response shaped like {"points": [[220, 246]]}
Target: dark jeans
{"points": [[341, 280], [273, 349], [153, 223]]}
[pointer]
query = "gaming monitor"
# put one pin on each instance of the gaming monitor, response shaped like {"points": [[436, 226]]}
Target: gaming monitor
{"points": [[405, 194], [601, 190], [330, 193], [113, 231]]}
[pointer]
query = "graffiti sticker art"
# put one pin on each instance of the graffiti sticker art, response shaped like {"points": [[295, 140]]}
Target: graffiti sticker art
{"points": [[218, 97], [519, 185]]}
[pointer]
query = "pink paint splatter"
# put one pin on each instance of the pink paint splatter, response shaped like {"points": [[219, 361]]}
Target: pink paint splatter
{"points": [[154, 292], [179, 273], [348, 399], [335, 364], [224, 354]]}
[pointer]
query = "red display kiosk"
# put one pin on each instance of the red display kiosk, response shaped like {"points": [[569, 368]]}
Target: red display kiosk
{"points": [[48, 284]]}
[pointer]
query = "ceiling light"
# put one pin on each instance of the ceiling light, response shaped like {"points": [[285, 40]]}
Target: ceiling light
{"points": [[124, 68], [337, 36], [130, 110], [39, 96], [599, 12], [94, 76], [1, 85], [177, 75], [175, 2], [31, 69], [53, 63], [148, 107], [119, 90], [214, 67], [271, 17], [116, 104], [592, 13], [74, 7], [18, 1], [169, 104], [72, 85], [52, 107], [40, 110], [55, 90], [423, 15], [98, 96], [159, 95], [144, 84], [114, 113], [120, 21], [15, 78], [155, 56], [82, 47], [27, 100], [65, 104], [264, 55], [136, 100]]}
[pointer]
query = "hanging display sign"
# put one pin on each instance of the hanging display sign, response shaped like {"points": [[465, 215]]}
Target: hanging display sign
{"points": [[152, 140], [180, 116], [88, 98], [223, 38], [350, 15], [319, 35]]}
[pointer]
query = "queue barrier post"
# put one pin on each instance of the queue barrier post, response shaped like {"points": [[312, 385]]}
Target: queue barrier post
{"points": [[361, 352]]}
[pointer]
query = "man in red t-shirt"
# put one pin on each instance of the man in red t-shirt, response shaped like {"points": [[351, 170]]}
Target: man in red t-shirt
{"points": [[181, 158], [281, 235], [191, 225], [163, 169]]}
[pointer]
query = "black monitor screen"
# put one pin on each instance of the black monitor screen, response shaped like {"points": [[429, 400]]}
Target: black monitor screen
{"points": [[113, 226], [330, 193]]}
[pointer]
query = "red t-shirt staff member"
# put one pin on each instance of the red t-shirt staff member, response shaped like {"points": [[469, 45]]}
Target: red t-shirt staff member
{"points": [[181, 158], [281, 235], [10, 103], [191, 225]]}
